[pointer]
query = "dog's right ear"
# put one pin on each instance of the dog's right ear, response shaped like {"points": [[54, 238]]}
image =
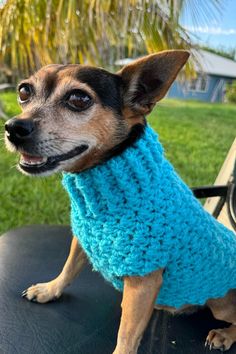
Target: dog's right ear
{"points": [[147, 80]]}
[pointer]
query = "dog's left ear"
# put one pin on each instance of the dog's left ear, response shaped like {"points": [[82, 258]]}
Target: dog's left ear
{"points": [[146, 80]]}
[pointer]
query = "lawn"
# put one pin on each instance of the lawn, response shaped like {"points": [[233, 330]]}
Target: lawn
{"points": [[196, 138]]}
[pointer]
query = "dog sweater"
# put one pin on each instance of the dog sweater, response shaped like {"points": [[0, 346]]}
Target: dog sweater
{"points": [[133, 215]]}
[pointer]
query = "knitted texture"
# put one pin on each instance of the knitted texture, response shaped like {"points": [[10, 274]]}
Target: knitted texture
{"points": [[133, 215]]}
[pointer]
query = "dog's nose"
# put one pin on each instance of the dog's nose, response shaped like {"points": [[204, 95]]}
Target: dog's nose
{"points": [[19, 130]]}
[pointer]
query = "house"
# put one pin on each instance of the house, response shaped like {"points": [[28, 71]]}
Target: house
{"points": [[213, 73]]}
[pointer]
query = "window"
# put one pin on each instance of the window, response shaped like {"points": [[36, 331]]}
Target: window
{"points": [[199, 84]]}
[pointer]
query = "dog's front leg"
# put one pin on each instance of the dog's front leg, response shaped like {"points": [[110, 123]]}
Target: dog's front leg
{"points": [[138, 302], [44, 292]]}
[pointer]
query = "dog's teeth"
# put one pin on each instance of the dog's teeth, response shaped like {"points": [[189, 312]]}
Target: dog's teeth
{"points": [[32, 160]]}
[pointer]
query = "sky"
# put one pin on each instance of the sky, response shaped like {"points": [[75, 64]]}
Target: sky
{"points": [[218, 31]]}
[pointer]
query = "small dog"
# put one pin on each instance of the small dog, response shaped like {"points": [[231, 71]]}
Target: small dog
{"points": [[78, 119]]}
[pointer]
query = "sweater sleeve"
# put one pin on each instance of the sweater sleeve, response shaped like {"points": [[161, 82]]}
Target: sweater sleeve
{"points": [[137, 254]]}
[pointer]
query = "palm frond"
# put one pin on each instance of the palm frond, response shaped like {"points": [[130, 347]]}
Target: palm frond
{"points": [[97, 32]]}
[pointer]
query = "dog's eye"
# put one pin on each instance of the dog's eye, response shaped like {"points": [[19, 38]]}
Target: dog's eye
{"points": [[24, 92], [78, 100]]}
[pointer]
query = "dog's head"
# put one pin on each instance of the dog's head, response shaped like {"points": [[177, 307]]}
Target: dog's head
{"points": [[75, 116]]}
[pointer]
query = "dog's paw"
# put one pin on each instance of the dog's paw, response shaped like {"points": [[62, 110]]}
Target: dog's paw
{"points": [[219, 339], [43, 292]]}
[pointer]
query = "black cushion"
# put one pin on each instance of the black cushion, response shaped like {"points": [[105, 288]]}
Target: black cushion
{"points": [[85, 319]]}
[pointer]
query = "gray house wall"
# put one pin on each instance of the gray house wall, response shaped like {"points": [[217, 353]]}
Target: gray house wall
{"points": [[215, 90]]}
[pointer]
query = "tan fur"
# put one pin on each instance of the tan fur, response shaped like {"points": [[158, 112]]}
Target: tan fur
{"points": [[44, 292], [60, 130], [187, 309], [104, 127], [221, 339], [137, 305]]}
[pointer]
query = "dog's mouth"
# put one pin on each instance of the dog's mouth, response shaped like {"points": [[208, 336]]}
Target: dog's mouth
{"points": [[39, 164]]}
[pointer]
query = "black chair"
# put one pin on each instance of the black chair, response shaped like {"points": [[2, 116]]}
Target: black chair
{"points": [[85, 319]]}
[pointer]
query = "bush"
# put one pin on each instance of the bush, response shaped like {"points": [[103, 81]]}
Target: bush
{"points": [[231, 92]]}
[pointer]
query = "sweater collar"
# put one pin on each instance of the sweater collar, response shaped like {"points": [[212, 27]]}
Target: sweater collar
{"points": [[118, 182]]}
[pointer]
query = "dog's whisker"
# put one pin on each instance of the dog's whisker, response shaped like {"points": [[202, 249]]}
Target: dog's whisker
{"points": [[74, 143], [14, 166], [58, 141]]}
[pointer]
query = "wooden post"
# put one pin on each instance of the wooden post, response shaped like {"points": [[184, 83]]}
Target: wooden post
{"points": [[224, 177]]}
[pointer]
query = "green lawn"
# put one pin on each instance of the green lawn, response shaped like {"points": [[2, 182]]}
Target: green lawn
{"points": [[196, 138]]}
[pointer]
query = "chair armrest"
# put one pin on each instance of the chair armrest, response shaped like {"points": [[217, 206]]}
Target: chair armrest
{"points": [[210, 191]]}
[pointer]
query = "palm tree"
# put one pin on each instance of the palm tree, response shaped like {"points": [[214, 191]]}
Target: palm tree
{"points": [[38, 32]]}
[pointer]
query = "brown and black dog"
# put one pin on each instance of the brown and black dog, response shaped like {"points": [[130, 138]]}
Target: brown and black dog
{"points": [[75, 117]]}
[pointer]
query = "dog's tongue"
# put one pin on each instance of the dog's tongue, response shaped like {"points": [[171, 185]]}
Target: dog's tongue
{"points": [[29, 159]]}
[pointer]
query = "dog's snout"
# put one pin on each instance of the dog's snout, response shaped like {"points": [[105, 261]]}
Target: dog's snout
{"points": [[19, 130]]}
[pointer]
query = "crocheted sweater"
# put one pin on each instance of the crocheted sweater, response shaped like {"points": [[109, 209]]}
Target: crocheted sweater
{"points": [[133, 215]]}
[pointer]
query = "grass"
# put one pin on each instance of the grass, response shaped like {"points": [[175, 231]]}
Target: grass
{"points": [[196, 137]]}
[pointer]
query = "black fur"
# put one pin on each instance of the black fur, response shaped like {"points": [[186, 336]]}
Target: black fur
{"points": [[51, 80], [50, 84], [136, 132], [106, 85]]}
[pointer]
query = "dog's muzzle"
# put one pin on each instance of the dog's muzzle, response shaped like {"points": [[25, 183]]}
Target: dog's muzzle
{"points": [[38, 165], [21, 133]]}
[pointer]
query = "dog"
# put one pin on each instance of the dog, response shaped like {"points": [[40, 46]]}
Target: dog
{"points": [[77, 119]]}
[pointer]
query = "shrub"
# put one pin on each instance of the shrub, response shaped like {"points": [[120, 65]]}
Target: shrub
{"points": [[231, 92]]}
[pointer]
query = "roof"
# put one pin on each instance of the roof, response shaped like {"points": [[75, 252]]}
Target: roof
{"points": [[214, 64]]}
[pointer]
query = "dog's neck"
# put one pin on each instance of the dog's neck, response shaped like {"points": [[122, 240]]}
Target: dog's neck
{"points": [[121, 180], [135, 134]]}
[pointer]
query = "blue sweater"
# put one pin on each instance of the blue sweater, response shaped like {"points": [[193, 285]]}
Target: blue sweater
{"points": [[133, 215]]}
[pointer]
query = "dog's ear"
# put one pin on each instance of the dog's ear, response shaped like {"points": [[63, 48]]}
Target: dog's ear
{"points": [[147, 80]]}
